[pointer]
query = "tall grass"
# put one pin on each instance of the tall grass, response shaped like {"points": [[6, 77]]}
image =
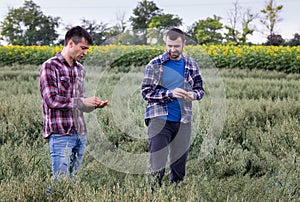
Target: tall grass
{"points": [[256, 157]]}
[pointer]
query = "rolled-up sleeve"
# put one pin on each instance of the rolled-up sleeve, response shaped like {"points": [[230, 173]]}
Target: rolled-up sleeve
{"points": [[151, 91]]}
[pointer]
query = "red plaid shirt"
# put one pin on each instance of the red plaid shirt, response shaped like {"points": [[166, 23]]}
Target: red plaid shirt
{"points": [[62, 90]]}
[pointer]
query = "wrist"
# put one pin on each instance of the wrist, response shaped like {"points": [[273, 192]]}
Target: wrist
{"points": [[193, 95], [80, 103]]}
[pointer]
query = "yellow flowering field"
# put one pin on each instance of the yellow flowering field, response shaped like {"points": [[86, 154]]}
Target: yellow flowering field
{"points": [[286, 59], [279, 58]]}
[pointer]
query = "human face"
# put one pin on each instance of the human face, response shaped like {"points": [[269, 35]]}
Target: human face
{"points": [[79, 50], [175, 48]]}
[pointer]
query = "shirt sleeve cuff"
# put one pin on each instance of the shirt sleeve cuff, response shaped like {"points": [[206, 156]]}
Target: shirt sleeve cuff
{"points": [[77, 103], [169, 94]]}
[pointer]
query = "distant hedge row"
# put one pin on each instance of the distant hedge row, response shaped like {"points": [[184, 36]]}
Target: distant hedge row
{"points": [[279, 58]]}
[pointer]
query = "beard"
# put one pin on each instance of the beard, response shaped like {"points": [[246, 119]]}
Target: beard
{"points": [[174, 55]]}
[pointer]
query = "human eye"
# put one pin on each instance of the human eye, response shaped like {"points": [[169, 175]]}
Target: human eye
{"points": [[84, 47]]}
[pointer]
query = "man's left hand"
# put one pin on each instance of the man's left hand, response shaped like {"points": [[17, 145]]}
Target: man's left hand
{"points": [[189, 96]]}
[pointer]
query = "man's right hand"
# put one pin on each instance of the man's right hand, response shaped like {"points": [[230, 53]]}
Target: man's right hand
{"points": [[179, 93], [94, 102], [102, 104]]}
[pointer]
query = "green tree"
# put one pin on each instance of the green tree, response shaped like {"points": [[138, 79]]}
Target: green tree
{"points": [[231, 36], [128, 37], [207, 31], [271, 16], [143, 14], [294, 41], [141, 18], [247, 19], [102, 33], [240, 24], [99, 32], [158, 24], [27, 25], [119, 27], [232, 30], [117, 30], [165, 21], [275, 40]]}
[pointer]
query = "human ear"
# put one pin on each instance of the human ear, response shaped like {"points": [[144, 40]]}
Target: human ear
{"points": [[71, 43]]}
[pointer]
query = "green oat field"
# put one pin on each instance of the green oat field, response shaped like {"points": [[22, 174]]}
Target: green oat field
{"points": [[255, 155]]}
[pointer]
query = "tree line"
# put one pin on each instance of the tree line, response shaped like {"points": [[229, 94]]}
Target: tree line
{"points": [[28, 25]]}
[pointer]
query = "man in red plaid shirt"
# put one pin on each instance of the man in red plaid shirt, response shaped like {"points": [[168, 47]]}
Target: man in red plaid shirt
{"points": [[62, 90]]}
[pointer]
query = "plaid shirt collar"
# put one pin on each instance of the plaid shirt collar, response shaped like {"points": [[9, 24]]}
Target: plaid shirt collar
{"points": [[61, 58]]}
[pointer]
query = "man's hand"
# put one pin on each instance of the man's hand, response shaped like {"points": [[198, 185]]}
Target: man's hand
{"points": [[180, 93], [189, 96], [102, 104], [94, 102]]}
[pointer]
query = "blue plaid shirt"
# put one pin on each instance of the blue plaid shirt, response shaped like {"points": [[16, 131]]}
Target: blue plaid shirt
{"points": [[158, 96]]}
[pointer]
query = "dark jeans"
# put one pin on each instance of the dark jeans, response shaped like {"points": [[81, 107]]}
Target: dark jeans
{"points": [[171, 139]]}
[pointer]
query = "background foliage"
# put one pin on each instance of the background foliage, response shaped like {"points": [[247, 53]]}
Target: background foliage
{"points": [[279, 58], [27, 25]]}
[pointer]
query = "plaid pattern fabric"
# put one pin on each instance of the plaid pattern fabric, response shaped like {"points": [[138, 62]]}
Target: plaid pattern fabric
{"points": [[62, 88], [158, 96]]}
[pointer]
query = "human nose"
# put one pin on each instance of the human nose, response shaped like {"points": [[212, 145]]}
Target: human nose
{"points": [[85, 52]]}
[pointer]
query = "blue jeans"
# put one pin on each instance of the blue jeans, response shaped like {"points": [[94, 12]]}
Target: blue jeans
{"points": [[171, 139], [66, 153]]}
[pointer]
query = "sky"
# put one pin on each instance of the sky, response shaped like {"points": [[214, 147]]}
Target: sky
{"points": [[72, 11]]}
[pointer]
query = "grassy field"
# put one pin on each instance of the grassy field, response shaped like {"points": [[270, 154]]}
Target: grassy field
{"points": [[255, 157]]}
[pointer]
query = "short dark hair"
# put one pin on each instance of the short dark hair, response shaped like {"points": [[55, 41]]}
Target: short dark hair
{"points": [[76, 34], [174, 33]]}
